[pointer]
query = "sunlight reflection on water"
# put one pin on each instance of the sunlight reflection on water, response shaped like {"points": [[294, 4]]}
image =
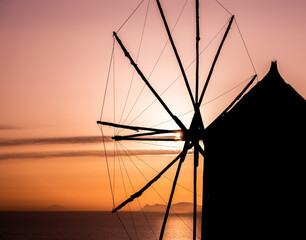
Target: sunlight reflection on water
{"points": [[90, 225]]}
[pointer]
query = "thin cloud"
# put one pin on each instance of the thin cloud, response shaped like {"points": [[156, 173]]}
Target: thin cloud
{"points": [[7, 142], [47, 141], [9, 127], [84, 153]]}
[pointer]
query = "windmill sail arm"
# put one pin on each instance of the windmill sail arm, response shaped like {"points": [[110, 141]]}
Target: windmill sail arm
{"points": [[215, 60], [143, 134], [184, 153], [175, 50], [239, 95], [139, 193], [236, 99], [136, 128], [118, 138], [177, 121]]}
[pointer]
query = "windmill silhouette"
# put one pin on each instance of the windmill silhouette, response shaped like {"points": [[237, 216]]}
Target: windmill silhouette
{"points": [[192, 135]]}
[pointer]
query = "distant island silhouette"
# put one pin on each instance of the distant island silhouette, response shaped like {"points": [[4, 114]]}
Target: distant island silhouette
{"points": [[56, 207], [180, 207]]}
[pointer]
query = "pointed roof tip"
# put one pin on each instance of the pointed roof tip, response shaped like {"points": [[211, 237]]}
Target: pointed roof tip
{"points": [[273, 67], [273, 72]]}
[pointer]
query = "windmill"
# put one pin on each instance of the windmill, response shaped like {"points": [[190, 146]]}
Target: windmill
{"points": [[192, 136]]}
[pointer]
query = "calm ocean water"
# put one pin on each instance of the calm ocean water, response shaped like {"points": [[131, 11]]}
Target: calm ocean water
{"points": [[91, 225]]}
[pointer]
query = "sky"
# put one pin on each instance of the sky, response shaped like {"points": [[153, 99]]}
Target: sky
{"points": [[54, 65]]}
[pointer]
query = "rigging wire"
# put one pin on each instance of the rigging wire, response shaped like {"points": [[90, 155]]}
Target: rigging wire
{"points": [[156, 63], [158, 145], [107, 79], [144, 162], [241, 36], [172, 210], [130, 16], [246, 48], [224, 8], [120, 220], [203, 50], [187, 69], [147, 220], [123, 182], [110, 182], [107, 165], [137, 57], [205, 103]]}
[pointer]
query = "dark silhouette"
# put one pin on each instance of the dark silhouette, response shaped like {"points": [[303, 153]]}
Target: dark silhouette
{"points": [[254, 160], [255, 156], [180, 207]]}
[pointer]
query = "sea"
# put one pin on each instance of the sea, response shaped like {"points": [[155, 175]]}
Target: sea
{"points": [[93, 225]]}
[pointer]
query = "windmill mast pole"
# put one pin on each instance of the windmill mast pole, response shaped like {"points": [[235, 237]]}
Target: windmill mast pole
{"points": [[196, 161], [197, 51], [196, 150]]}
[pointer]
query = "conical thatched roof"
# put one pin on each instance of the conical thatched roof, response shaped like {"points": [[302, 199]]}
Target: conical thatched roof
{"points": [[255, 164]]}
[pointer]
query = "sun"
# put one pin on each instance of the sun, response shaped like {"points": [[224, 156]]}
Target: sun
{"points": [[178, 135]]}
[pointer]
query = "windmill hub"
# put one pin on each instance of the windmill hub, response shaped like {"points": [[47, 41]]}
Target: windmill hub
{"points": [[193, 135]]}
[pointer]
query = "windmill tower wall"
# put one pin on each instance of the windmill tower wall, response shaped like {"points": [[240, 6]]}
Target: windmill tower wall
{"points": [[256, 164]]}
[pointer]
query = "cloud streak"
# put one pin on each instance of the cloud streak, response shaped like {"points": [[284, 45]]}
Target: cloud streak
{"points": [[44, 154], [83, 153], [8, 127], [48, 141]]}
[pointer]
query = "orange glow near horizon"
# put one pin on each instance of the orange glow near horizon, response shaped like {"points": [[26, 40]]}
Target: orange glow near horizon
{"points": [[81, 184], [55, 59]]}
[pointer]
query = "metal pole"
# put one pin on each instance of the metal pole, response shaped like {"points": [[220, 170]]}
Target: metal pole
{"points": [[197, 51], [195, 167], [196, 150], [204, 227]]}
